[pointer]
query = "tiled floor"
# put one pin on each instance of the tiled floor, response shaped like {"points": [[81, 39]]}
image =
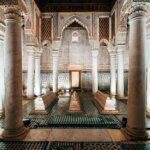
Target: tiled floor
{"points": [[79, 135]]}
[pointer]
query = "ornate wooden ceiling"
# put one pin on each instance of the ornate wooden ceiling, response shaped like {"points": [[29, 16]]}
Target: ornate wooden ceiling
{"points": [[75, 5]]}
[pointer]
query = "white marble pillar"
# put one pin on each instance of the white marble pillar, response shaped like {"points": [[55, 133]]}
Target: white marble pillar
{"points": [[30, 72], [136, 125], [113, 73], [94, 71], [37, 85], [148, 74], [120, 64], [14, 128], [2, 86], [55, 55]]}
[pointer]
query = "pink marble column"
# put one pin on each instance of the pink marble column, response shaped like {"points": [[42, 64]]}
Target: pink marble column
{"points": [[14, 128], [136, 125]]}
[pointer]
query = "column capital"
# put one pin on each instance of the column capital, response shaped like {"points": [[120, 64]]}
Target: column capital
{"points": [[137, 9], [12, 12], [37, 54], [94, 52], [120, 48], [111, 49], [55, 53], [31, 50]]}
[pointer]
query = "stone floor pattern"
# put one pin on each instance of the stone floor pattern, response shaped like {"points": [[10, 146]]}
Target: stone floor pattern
{"points": [[72, 146], [74, 138]]}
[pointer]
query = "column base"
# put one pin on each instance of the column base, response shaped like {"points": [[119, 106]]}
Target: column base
{"points": [[2, 113], [30, 97], [135, 134], [148, 113], [121, 97], [112, 95], [16, 134]]}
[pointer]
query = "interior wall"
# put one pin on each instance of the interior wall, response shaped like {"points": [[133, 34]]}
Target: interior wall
{"points": [[75, 53], [86, 80]]}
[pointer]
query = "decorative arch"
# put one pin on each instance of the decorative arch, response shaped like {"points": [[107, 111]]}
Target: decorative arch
{"points": [[74, 19]]}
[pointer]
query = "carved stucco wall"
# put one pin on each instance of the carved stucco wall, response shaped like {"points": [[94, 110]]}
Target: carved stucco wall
{"points": [[75, 53], [65, 19]]}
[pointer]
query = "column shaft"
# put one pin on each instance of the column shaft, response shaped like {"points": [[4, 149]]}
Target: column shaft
{"points": [[14, 128], [94, 71], [2, 87], [148, 76], [113, 73], [137, 74], [37, 88], [120, 82], [30, 74], [55, 71]]}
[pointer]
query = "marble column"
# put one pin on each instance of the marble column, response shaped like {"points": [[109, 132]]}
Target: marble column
{"points": [[136, 125], [37, 87], [30, 72], [14, 128], [55, 55], [120, 64], [2, 86], [113, 73], [94, 71], [148, 73]]}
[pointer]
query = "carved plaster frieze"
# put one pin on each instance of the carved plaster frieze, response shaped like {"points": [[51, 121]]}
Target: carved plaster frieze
{"points": [[75, 18], [121, 37], [30, 39]]}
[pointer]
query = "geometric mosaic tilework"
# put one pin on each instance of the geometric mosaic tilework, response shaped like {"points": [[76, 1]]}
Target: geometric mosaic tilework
{"points": [[75, 121], [97, 146], [46, 29], [103, 28], [23, 145], [29, 145]]}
